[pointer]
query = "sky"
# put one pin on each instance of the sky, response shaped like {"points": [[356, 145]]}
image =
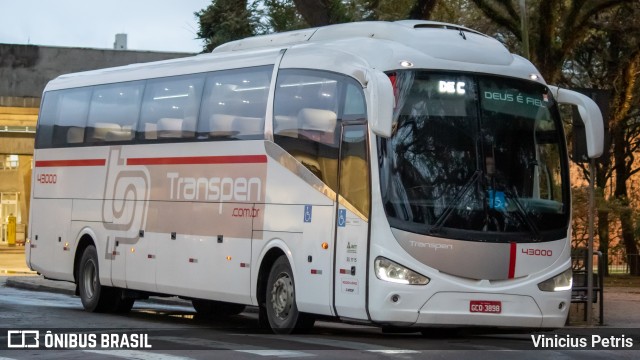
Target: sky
{"points": [[156, 25]]}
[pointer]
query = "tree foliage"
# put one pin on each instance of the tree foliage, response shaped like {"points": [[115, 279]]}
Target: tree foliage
{"points": [[556, 28], [225, 20], [609, 59], [281, 15]]}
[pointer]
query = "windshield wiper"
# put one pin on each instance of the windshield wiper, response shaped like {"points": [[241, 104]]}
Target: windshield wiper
{"points": [[449, 209], [527, 219]]}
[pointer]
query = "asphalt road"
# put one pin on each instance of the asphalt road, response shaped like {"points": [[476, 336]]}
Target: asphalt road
{"points": [[174, 332]]}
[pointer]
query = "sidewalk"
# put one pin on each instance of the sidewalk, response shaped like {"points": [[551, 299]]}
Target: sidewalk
{"points": [[12, 261]]}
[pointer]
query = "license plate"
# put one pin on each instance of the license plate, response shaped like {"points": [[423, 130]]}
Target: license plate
{"points": [[480, 306]]}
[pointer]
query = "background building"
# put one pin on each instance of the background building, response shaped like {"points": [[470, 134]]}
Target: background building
{"points": [[24, 72]]}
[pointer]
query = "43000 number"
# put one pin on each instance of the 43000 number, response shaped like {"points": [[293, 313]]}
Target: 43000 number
{"points": [[47, 178]]}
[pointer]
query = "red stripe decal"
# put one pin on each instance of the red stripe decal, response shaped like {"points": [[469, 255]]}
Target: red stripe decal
{"points": [[199, 160], [512, 260], [80, 162]]}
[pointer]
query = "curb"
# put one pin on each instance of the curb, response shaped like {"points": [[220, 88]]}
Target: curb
{"points": [[68, 288], [27, 285], [17, 272]]}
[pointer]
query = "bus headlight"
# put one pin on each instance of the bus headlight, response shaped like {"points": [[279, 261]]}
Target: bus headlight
{"points": [[388, 270], [559, 282]]}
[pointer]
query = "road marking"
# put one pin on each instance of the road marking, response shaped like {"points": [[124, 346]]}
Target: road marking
{"points": [[351, 345], [137, 355], [394, 352], [207, 343], [277, 353], [250, 349]]}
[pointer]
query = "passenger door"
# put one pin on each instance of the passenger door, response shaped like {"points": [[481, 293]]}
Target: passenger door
{"points": [[352, 224]]}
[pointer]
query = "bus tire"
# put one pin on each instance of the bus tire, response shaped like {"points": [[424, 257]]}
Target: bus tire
{"points": [[211, 309], [94, 296], [281, 309], [92, 293]]}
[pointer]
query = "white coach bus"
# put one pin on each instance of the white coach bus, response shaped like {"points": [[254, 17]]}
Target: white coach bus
{"points": [[409, 174]]}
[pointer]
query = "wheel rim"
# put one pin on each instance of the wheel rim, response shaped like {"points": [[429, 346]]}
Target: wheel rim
{"points": [[282, 296], [90, 279]]}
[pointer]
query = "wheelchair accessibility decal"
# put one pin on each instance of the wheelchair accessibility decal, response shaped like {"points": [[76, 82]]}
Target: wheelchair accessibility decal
{"points": [[497, 200], [342, 217], [307, 213]]}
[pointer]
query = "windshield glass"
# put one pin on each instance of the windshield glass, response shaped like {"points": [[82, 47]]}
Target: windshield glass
{"points": [[475, 158]]}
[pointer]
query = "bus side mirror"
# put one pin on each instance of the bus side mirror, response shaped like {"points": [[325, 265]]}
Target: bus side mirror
{"points": [[380, 102], [590, 115]]}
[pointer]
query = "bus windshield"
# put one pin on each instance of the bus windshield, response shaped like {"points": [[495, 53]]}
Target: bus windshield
{"points": [[475, 158]]}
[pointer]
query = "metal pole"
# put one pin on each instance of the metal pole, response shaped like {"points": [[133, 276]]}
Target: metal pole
{"points": [[592, 206], [524, 23]]}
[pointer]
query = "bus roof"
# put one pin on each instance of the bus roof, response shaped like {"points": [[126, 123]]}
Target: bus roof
{"points": [[374, 29], [385, 46]]}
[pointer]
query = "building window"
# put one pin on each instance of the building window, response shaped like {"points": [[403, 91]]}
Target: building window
{"points": [[10, 162]]}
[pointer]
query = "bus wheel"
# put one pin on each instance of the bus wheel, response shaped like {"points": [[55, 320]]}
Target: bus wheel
{"points": [[282, 311], [212, 309], [94, 296], [91, 292]]}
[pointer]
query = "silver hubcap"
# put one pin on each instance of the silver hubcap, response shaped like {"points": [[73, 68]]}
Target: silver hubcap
{"points": [[90, 279], [282, 296]]}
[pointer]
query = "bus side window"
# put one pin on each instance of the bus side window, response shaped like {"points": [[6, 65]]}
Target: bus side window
{"points": [[354, 173], [71, 116], [354, 103], [46, 118], [114, 112], [234, 104], [170, 108], [307, 119]]}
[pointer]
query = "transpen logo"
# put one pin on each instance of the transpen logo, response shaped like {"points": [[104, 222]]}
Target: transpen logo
{"points": [[222, 189], [434, 246], [126, 197]]}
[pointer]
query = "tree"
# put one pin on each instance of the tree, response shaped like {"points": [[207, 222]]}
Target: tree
{"points": [[610, 59], [225, 20], [281, 15], [322, 12], [422, 9], [557, 27]]}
